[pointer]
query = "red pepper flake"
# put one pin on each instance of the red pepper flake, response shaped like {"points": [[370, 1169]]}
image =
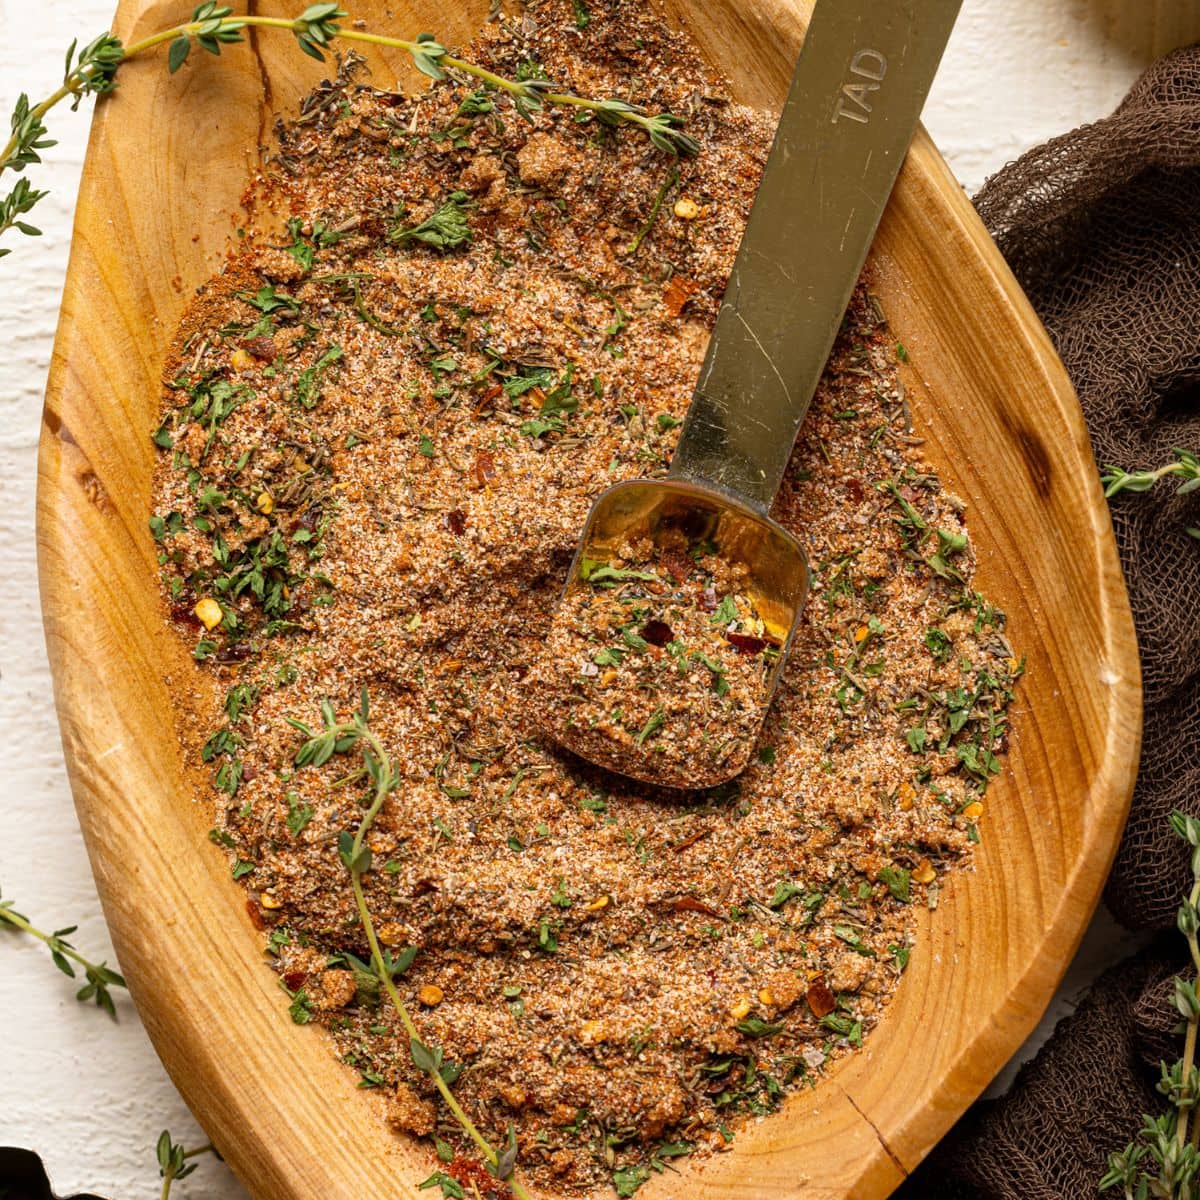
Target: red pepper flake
{"points": [[456, 522], [854, 489], [256, 915], [487, 402], [681, 904], [294, 979], [678, 565], [657, 633], [484, 468], [262, 348], [184, 613], [678, 292], [746, 643], [690, 840], [820, 999]]}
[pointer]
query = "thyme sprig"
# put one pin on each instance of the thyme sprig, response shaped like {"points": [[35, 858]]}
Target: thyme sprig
{"points": [[1164, 1161], [342, 737], [99, 978], [1185, 465], [173, 1160], [92, 70]]}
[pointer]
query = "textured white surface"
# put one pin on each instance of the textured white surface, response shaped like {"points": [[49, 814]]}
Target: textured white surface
{"points": [[88, 1095]]}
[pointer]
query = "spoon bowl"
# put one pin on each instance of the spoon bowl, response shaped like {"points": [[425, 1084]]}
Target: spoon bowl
{"points": [[672, 520]]}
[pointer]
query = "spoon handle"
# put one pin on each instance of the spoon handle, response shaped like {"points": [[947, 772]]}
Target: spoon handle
{"points": [[864, 72]]}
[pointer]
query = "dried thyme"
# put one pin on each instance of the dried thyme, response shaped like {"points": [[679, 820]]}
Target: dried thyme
{"points": [[93, 71], [99, 978]]}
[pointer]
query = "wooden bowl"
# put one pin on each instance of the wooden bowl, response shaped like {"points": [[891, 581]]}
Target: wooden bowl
{"points": [[168, 159]]}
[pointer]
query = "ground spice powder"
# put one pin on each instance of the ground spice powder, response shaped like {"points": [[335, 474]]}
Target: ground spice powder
{"points": [[383, 426]]}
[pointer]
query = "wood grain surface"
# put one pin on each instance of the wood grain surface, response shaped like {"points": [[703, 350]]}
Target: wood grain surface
{"points": [[168, 160]]}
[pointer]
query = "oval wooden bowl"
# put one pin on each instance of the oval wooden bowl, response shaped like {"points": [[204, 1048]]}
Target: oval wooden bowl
{"points": [[168, 160]]}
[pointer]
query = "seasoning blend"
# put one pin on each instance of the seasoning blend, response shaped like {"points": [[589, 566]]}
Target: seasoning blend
{"points": [[383, 426]]}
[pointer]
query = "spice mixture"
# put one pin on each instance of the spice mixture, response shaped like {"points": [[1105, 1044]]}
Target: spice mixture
{"points": [[382, 432], [658, 664]]}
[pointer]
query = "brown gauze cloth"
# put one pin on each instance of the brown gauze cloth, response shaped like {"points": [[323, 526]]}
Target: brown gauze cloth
{"points": [[1102, 228]]}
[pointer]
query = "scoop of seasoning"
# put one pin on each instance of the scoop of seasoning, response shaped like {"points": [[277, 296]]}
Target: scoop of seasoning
{"points": [[643, 674]]}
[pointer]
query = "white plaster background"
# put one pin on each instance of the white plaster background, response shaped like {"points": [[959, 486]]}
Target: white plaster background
{"points": [[90, 1096]]}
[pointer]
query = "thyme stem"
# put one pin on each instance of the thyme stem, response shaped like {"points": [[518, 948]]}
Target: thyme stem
{"points": [[379, 768], [96, 66], [170, 1176], [1164, 1161], [15, 919], [100, 978], [1189, 1043]]}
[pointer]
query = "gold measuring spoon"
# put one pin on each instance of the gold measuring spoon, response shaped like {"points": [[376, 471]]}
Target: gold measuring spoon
{"points": [[864, 71]]}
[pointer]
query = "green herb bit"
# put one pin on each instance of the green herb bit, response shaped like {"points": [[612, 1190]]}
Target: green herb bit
{"points": [[268, 301], [756, 1027], [547, 936], [304, 247], [557, 404], [309, 381], [99, 977], [597, 573], [726, 612], [667, 184], [360, 307], [898, 881], [173, 1160], [852, 939], [844, 1026], [720, 683], [299, 814], [450, 1187], [239, 700], [912, 523], [938, 643], [784, 891], [653, 725], [300, 1009], [627, 1180], [445, 229], [620, 321], [949, 544]]}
